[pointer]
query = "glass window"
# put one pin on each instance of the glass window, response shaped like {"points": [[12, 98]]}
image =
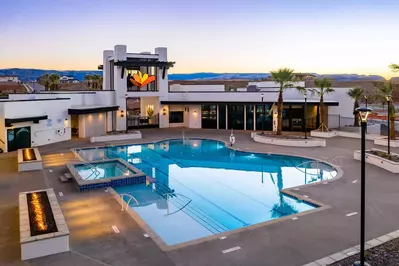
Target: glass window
{"points": [[236, 116], [222, 116], [268, 123], [209, 116], [176, 117], [250, 117]]}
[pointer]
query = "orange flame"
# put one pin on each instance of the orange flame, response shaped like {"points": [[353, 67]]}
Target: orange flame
{"points": [[38, 212], [141, 80]]}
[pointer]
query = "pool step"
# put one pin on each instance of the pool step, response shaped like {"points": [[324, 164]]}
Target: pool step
{"points": [[66, 177]]}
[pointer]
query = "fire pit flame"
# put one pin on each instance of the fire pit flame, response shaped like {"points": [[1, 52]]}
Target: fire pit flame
{"points": [[39, 215]]}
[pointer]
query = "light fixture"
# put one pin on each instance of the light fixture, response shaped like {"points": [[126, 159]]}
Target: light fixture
{"points": [[195, 111], [164, 111], [388, 97], [66, 120], [122, 113], [363, 113]]}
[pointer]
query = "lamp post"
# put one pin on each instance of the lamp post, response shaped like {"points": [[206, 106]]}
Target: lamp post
{"points": [[389, 98], [363, 113], [306, 111], [263, 114]]}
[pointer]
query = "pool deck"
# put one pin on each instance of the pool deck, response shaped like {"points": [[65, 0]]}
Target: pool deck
{"points": [[91, 215]]}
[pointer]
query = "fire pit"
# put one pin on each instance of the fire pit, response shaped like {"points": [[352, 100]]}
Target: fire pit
{"points": [[43, 230], [29, 160], [28, 155], [41, 217]]}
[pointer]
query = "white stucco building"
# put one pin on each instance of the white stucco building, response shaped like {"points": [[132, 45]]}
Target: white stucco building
{"points": [[9, 79], [125, 102]]}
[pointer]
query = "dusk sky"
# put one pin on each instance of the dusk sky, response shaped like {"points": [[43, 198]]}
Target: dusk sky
{"points": [[323, 36]]}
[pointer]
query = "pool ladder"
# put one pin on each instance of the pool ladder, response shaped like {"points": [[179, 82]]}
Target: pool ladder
{"points": [[94, 169], [131, 197]]}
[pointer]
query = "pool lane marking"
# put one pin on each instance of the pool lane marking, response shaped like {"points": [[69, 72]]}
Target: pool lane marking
{"points": [[61, 194], [351, 214], [231, 249], [222, 237], [354, 181], [294, 218], [116, 230]]}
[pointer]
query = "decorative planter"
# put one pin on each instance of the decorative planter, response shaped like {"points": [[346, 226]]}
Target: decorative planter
{"points": [[115, 137], [29, 160], [384, 142], [322, 134], [356, 135], [42, 226], [383, 163], [306, 143]]}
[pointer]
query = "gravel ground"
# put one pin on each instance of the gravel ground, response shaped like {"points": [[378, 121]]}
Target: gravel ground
{"points": [[386, 254]]}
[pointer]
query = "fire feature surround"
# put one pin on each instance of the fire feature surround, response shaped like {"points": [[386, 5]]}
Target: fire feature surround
{"points": [[43, 230], [29, 159]]}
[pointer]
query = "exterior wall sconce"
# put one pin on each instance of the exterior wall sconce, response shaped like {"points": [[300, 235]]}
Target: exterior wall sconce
{"points": [[122, 113], [164, 111], [195, 111], [187, 109]]}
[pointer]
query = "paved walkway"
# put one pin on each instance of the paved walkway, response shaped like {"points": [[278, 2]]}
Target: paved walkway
{"points": [[289, 242]]}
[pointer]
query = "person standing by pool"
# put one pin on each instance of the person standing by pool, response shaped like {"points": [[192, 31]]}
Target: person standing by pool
{"points": [[232, 139]]}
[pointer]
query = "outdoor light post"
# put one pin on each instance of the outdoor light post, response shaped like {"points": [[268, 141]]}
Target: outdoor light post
{"points": [[389, 98], [365, 98], [363, 113], [306, 112], [263, 114]]}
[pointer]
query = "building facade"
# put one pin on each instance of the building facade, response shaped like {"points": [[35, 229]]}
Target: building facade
{"points": [[136, 95]]}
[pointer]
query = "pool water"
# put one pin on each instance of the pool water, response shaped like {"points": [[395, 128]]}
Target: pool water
{"points": [[104, 170], [201, 188]]}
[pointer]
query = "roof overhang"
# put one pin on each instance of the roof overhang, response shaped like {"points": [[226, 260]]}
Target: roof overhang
{"points": [[143, 62], [330, 103], [35, 119], [82, 110]]}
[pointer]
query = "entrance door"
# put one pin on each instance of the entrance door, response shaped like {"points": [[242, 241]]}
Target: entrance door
{"points": [[18, 138]]}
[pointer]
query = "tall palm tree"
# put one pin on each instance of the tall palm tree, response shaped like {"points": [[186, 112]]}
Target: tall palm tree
{"points": [[96, 81], [386, 89], [394, 67], [89, 79], [356, 93], [285, 78], [45, 81], [54, 81], [323, 87]]}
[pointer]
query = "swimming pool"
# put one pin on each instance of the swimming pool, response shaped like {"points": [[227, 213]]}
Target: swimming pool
{"points": [[201, 188]]}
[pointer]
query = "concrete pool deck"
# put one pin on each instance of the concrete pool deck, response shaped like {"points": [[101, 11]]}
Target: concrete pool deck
{"points": [[91, 215]]}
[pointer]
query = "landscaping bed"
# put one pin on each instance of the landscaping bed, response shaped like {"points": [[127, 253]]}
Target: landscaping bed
{"points": [[386, 254], [383, 154]]}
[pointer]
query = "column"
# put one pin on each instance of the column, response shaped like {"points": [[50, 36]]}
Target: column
{"points": [[120, 86]]}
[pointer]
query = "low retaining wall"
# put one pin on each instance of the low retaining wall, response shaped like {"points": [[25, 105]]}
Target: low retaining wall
{"points": [[371, 129], [383, 141], [42, 244], [322, 134], [306, 143], [115, 137], [34, 162], [383, 163]]}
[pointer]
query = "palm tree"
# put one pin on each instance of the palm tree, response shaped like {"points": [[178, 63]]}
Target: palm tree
{"points": [[54, 81], [323, 87], [89, 79], [285, 78], [356, 93], [386, 89], [96, 81], [394, 67], [45, 81]]}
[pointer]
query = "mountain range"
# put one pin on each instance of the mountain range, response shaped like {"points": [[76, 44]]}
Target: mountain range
{"points": [[32, 74]]}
